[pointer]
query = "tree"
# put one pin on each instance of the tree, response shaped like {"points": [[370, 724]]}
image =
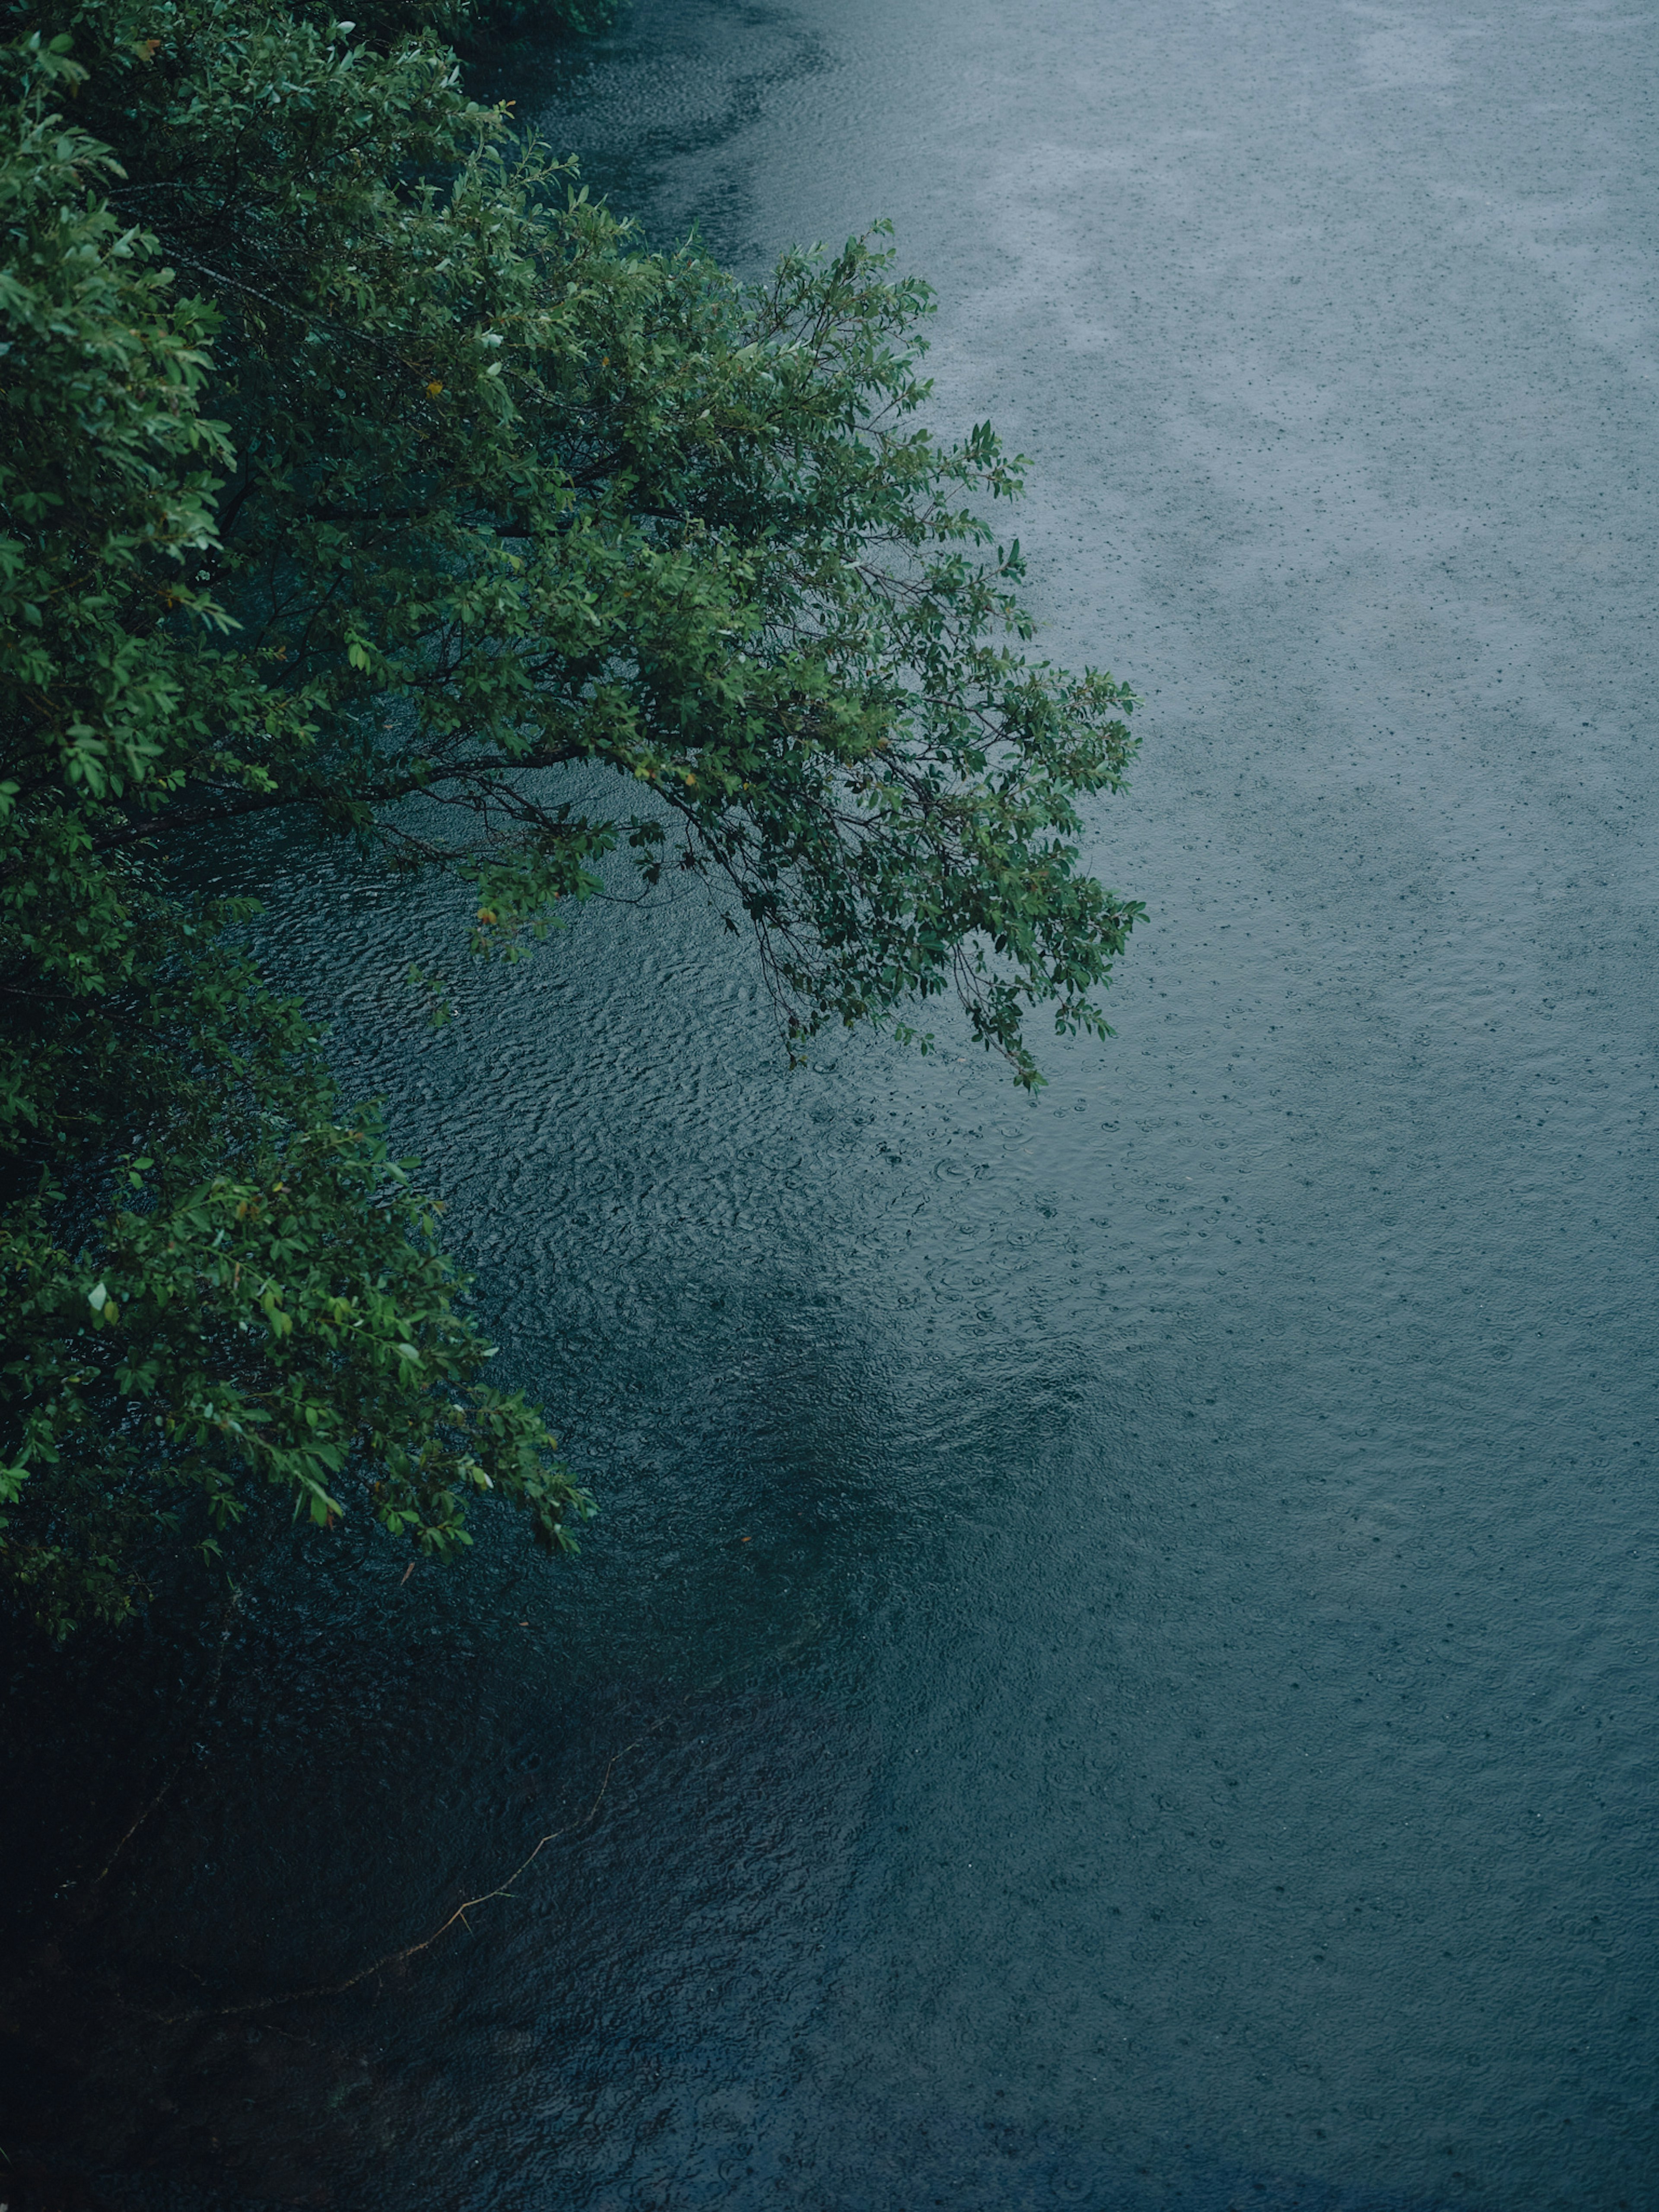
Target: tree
{"points": [[489, 491]]}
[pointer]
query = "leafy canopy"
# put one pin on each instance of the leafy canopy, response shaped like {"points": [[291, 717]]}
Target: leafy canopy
{"points": [[356, 464]]}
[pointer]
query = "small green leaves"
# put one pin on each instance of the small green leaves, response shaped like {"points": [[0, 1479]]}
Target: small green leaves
{"points": [[506, 517]]}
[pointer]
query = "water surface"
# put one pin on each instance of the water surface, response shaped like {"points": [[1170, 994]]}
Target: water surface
{"points": [[1118, 1655]]}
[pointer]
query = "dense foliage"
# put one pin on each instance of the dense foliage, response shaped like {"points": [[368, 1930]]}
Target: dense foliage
{"points": [[355, 463]]}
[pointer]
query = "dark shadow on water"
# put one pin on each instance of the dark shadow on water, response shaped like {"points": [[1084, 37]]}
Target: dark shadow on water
{"points": [[343, 1791], [369, 1756], [667, 83]]}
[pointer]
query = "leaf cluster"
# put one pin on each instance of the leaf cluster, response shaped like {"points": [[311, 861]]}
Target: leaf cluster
{"points": [[487, 492]]}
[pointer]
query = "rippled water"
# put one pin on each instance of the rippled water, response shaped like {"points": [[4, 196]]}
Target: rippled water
{"points": [[1116, 1668]]}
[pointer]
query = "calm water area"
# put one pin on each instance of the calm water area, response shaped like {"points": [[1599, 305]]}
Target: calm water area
{"points": [[1116, 1669]]}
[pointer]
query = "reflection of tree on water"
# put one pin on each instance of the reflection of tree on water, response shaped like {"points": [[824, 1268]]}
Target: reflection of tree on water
{"points": [[661, 86], [238, 2007]]}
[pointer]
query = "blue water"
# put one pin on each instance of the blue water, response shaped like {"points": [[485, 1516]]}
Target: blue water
{"points": [[1119, 1650]]}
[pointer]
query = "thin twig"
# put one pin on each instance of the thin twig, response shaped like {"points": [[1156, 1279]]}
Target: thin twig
{"points": [[412, 1950]]}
